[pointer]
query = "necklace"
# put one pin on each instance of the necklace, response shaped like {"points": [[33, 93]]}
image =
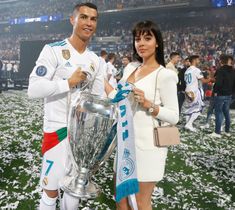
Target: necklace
{"points": [[143, 71]]}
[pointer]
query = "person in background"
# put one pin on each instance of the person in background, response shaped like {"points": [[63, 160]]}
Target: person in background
{"points": [[223, 90], [174, 60], [211, 107], [181, 84], [193, 92], [103, 57], [15, 70], [111, 70], [9, 68], [1, 66], [125, 61]]}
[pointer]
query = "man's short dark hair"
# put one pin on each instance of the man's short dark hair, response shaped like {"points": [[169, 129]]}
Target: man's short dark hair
{"points": [[127, 56], [111, 56], [193, 57], [173, 54], [87, 4], [103, 53]]}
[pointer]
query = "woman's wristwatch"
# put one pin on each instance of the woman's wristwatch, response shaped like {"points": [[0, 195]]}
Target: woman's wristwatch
{"points": [[152, 108]]}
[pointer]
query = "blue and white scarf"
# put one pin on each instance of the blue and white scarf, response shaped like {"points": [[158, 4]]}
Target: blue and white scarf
{"points": [[126, 179]]}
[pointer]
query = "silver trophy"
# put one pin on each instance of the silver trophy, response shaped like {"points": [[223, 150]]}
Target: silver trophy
{"points": [[91, 132]]}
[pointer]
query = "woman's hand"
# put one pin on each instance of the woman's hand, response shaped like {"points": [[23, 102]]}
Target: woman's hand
{"points": [[140, 98], [145, 103]]}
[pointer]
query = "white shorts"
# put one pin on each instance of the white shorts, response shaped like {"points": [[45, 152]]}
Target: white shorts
{"points": [[54, 166]]}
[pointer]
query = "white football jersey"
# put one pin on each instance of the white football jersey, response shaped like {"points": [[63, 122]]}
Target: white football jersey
{"points": [[192, 77], [49, 80], [104, 67], [113, 71]]}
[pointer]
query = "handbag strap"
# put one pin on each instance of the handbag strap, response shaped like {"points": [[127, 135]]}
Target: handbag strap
{"points": [[155, 92]]}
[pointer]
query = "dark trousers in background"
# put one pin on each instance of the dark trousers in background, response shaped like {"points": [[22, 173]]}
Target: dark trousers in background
{"points": [[222, 104], [181, 98], [0, 85], [210, 109]]}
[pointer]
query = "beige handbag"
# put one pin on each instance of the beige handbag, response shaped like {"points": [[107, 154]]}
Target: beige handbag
{"points": [[164, 135]]}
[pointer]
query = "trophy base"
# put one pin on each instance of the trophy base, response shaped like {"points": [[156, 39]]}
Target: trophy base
{"points": [[75, 189]]}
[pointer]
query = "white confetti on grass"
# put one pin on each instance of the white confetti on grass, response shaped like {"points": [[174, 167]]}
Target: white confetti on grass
{"points": [[200, 173]]}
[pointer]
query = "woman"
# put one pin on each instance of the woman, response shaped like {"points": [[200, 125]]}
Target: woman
{"points": [[148, 50]]}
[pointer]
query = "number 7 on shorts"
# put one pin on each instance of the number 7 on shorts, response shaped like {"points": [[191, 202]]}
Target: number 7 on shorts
{"points": [[50, 163]]}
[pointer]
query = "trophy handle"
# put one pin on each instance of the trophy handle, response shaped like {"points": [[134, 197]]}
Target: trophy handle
{"points": [[86, 82], [111, 143]]}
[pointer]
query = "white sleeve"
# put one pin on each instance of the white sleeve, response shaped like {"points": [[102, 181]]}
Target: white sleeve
{"points": [[98, 86], [169, 110], [41, 84], [114, 71], [109, 69], [104, 69], [199, 74]]}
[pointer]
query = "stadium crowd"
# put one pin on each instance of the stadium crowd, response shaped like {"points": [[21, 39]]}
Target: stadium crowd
{"points": [[38, 8], [208, 41]]}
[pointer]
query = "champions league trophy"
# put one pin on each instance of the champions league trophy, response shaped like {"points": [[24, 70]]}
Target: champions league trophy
{"points": [[91, 133]]}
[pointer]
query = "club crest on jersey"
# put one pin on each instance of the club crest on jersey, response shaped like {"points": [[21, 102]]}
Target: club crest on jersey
{"points": [[41, 71], [66, 54], [92, 67]]}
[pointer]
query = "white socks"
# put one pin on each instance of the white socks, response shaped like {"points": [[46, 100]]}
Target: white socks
{"points": [[69, 202], [47, 203]]}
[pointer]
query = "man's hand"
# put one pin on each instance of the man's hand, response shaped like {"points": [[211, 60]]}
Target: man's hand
{"points": [[77, 77]]}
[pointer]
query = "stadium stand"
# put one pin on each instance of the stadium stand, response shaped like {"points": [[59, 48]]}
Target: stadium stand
{"points": [[186, 29]]}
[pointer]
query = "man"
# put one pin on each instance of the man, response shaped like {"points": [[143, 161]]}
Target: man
{"points": [[1, 65], [15, 70], [174, 60], [9, 67], [56, 77], [103, 57], [125, 61], [223, 90], [194, 93], [181, 84], [111, 70]]}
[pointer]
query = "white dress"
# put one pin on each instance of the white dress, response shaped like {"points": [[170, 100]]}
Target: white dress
{"points": [[151, 159]]}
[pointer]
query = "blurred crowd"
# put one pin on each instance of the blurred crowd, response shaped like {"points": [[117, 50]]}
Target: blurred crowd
{"points": [[35, 8], [208, 41], [10, 43]]}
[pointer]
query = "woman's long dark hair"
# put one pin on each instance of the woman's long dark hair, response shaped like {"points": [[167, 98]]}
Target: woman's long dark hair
{"points": [[148, 27]]}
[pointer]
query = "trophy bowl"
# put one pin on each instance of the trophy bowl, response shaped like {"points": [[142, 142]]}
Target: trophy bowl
{"points": [[91, 133]]}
